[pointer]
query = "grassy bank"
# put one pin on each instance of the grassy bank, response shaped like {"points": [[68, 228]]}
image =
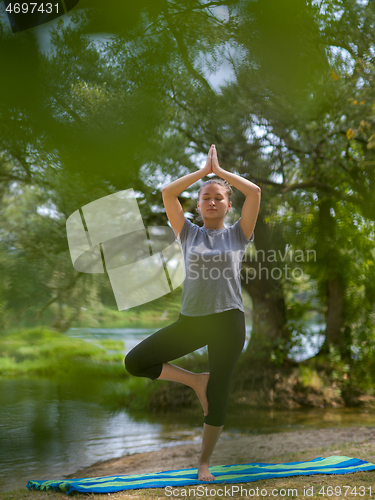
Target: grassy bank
{"points": [[47, 353]]}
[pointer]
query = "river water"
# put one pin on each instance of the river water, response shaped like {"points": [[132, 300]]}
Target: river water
{"points": [[50, 428]]}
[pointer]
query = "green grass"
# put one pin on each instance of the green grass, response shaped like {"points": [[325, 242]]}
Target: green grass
{"points": [[43, 352]]}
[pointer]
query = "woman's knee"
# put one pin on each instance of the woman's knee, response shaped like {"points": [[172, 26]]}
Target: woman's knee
{"points": [[216, 418], [217, 396], [139, 364], [132, 364]]}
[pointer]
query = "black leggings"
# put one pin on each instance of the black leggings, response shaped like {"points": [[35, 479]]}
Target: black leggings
{"points": [[223, 333]]}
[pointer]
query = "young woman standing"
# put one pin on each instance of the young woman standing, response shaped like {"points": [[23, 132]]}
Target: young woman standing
{"points": [[212, 312]]}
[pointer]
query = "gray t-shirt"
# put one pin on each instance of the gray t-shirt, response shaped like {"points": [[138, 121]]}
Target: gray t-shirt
{"points": [[212, 266]]}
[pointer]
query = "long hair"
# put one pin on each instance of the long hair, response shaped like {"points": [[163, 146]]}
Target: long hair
{"points": [[217, 180]]}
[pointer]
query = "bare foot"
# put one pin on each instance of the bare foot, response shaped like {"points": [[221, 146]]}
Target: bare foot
{"points": [[203, 473], [201, 390]]}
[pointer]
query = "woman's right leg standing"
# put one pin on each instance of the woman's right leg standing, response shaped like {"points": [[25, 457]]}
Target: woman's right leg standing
{"points": [[225, 346]]}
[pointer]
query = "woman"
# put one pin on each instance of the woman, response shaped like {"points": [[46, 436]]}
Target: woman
{"points": [[212, 312]]}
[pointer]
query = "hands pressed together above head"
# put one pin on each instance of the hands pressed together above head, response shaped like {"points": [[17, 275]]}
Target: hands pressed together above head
{"points": [[212, 164]]}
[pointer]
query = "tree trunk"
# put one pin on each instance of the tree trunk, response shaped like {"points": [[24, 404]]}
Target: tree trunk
{"points": [[335, 314], [333, 285], [262, 280]]}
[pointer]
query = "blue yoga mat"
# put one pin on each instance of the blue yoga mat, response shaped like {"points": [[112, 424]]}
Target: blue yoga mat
{"points": [[242, 473]]}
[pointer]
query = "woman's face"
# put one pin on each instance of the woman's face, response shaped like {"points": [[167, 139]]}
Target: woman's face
{"points": [[213, 201]]}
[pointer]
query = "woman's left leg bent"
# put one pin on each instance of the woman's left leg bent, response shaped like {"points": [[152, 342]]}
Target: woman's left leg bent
{"points": [[185, 335]]}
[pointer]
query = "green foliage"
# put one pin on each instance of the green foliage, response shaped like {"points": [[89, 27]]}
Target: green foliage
{"points": [[137, 111]]}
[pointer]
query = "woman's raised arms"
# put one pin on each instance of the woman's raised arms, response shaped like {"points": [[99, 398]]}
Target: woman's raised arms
{"points": [[171, 192], [174, 212], [250, 208]]}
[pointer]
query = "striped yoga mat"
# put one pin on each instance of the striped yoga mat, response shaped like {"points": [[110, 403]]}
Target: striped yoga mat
{"points": [[243, 473]]}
